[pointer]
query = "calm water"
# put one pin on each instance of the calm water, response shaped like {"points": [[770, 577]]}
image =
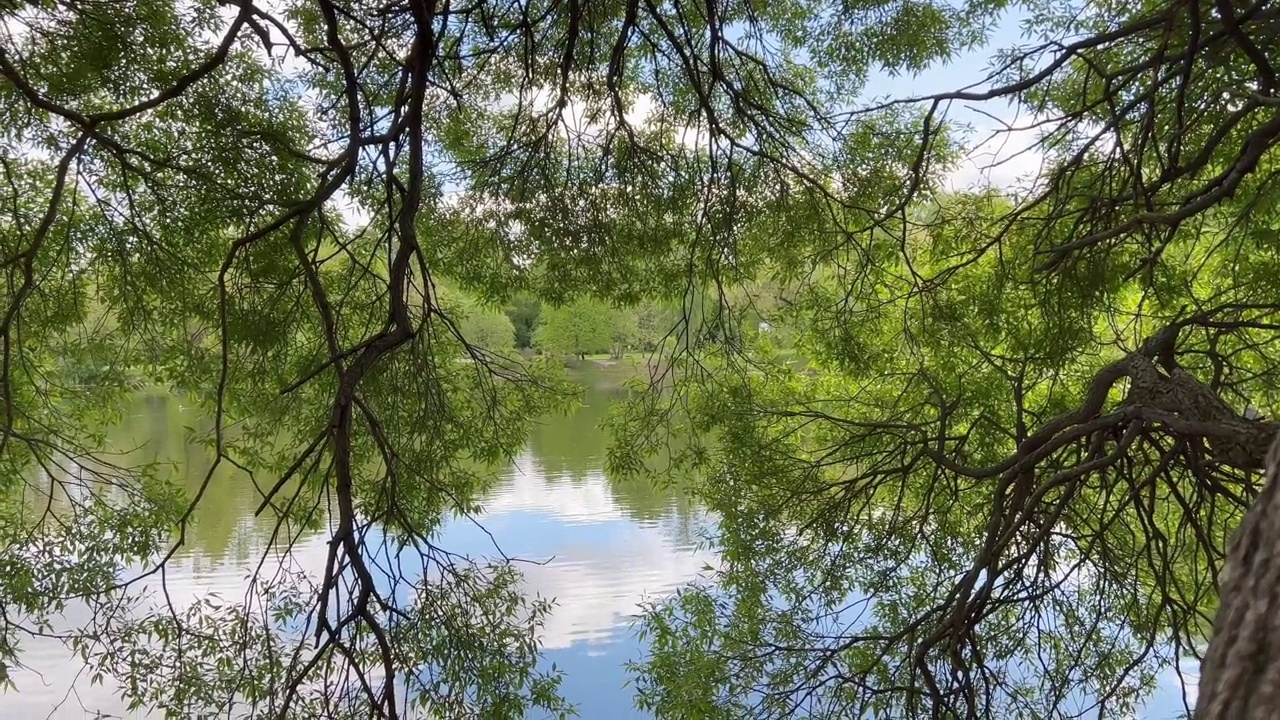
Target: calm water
{"points": [[607, 546]]}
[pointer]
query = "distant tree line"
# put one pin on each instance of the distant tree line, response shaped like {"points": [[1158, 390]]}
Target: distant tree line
{"points": [[588, 326]]}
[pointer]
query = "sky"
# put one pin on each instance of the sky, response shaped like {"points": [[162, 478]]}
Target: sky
{"points": [[999, 157]]}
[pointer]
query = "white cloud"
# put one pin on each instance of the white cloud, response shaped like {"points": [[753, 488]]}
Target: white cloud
{"points": [[598, 587], [1001, 158], [1002, 150], [530, 490], [598, 575]]}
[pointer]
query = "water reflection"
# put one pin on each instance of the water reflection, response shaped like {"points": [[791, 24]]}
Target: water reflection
{"points": [[602, 559], [599, 547], [607, 546]]}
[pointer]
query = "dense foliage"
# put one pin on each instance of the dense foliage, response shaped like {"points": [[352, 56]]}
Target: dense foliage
{"points": [[974, 453]]}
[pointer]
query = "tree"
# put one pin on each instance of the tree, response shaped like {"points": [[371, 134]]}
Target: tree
{"points": [[1239, 677], [523, 312], [624, 331], [489, 329], [1022, 432], [478, 325], [292, 182], [583, 327], [654, 325], [1026, 426]]}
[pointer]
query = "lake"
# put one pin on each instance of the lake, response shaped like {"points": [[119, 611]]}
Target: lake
{"points": [[603, 547]]}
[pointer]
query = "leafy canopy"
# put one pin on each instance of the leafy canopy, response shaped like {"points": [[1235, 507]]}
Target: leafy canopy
{"points": [[584, 327], [1017, 437], [1003, 483]]}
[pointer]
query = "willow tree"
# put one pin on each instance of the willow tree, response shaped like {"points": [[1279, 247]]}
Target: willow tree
{"points": [[1005, 483], [1020, 431], [251, 204]]}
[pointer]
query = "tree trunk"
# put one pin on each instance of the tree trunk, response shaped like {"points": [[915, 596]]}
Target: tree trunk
{"points": [[1240, 675]]}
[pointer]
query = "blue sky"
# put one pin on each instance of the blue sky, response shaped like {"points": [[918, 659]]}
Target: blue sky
{"points": [[961, 71], [1000, 159]]}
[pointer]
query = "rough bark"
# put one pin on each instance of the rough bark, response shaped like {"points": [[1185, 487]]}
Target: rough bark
{"points": [[1240, 674]]}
